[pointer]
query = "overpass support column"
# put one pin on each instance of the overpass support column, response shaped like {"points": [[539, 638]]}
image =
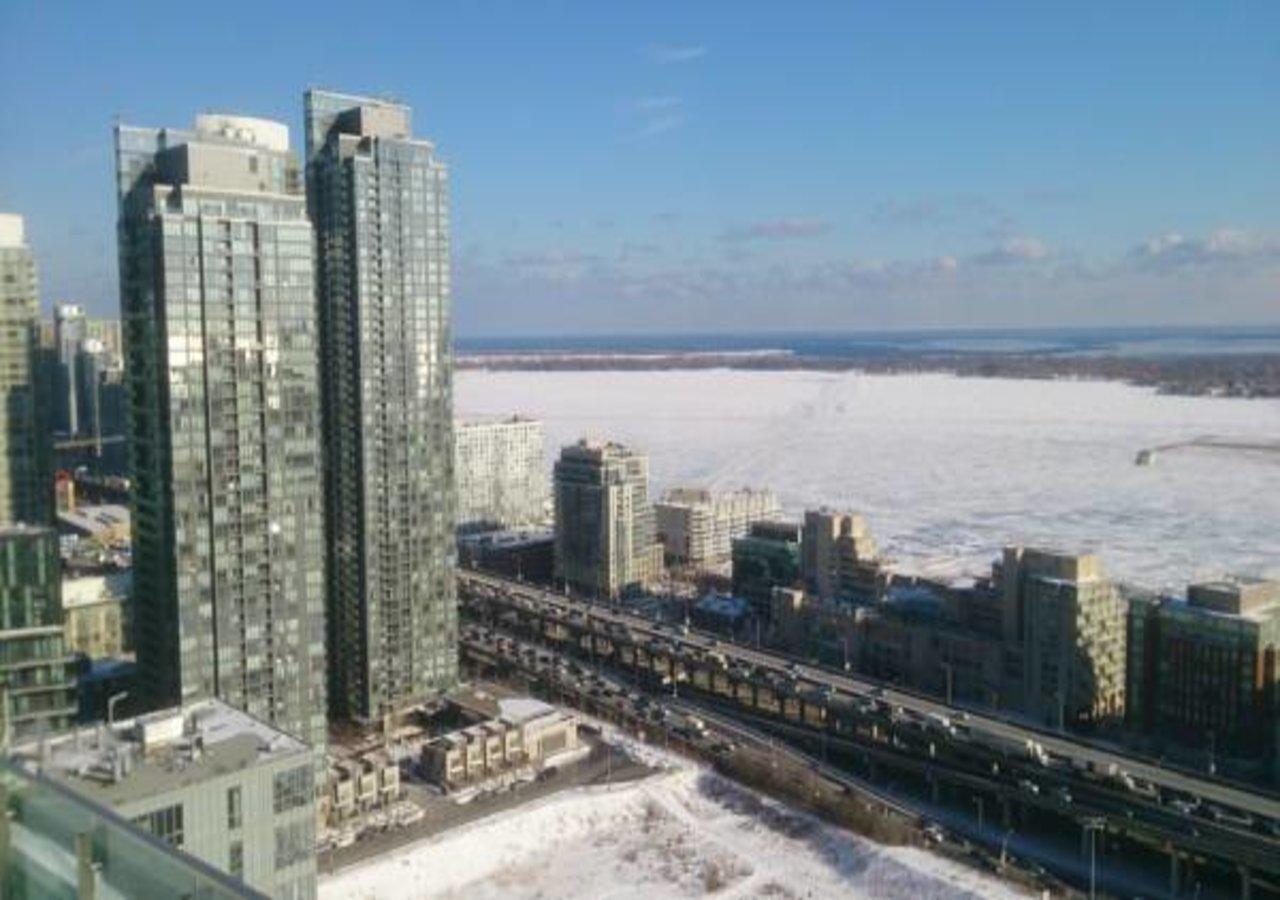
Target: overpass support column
{"points": [[1006, 813], [1175, 881], [935, 787], [1246, 883]]}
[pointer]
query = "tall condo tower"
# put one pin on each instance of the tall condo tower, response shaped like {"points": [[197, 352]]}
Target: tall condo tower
{"points": [[26, 487], [379, 202], [218, 306]]}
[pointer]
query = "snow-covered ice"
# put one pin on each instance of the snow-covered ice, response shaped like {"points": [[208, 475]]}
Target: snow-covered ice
{"points": [[947, 469], [684, 832]]}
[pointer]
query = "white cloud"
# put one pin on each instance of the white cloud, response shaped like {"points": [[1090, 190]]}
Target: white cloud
{"points": [[1226, 245], [666, 54], [656, 104], [1013, 251]]}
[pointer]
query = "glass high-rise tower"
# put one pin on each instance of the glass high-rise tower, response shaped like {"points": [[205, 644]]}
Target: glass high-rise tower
{"points": [[222, 377], [379, 203], [26, 487]]}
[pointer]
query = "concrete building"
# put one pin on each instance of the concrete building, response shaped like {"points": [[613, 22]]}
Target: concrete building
{"points": [[604, 522], [379, 198], [37, 672], [697, 527], [1203, 672], [209, 780], [527, 734], [503, 478], [839, 557], [223, 375], [766, 557], [1064, 636], [26, 486], [98, 611]]}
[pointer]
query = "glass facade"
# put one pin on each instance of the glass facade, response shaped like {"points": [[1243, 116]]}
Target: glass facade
{"points": [[379, 201], [223, 384], [25, 492]]}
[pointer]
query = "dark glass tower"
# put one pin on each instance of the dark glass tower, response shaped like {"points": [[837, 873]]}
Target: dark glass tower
{"points": [[379, 202]]}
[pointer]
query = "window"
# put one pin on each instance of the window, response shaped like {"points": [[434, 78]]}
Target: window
{"points": [[235, 813], [165, 823], [292, 789], [235, 860]]}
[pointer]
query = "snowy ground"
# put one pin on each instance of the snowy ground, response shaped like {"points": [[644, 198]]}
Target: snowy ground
{"points": [[682, 833], [946, 469]]}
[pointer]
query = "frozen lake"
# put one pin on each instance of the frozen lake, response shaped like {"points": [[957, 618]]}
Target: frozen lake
{"points": [[946, 469]]}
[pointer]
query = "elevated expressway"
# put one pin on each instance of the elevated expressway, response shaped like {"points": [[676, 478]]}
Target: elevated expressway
{"points": [[1020, 766]]}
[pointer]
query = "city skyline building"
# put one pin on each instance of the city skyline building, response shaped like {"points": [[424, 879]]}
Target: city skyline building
{"points": [[1063, 625], [502, 474], [26, 487], [218, 312], [697, 527], [604, 539], [37, 671], [1204, 670], [69, 334], [379, 201]]}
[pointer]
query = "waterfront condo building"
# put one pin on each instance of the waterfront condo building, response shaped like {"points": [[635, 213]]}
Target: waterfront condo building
{"points": [[503, 479], [1063, 626], [379, 200], [1204, 671], [604, 522], [218, 305], [697, 527]]}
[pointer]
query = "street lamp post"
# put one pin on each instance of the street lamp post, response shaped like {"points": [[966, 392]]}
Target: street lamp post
{"points": [[1092, 826]]}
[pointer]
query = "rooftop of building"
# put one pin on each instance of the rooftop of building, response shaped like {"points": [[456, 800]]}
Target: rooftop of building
{"points": [[1240, 595], [12, 230], [596, 450], [105, 587], [508, 538], [496, 421], [93, 519], [159, 752]]}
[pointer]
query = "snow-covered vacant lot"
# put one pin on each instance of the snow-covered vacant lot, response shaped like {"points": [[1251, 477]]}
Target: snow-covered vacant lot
{"points": [[681, 833], [946, 469]]}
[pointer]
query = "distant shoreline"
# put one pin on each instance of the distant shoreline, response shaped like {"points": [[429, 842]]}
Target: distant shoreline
{"points": [[1236, 374]]}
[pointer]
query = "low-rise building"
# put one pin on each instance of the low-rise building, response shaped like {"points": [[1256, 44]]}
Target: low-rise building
{"points": [[527, 734], [697, 527], [357, 786], [526, 555], [766, 557], [107, 524], [208, 779], [839, 557], [1204, 671]]}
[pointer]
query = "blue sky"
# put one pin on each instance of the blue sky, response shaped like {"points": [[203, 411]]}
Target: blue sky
{"points": [[726, 166]]}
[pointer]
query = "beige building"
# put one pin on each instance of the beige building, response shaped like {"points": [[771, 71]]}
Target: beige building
{"points": [[97, 614], [605, 542], [1064, 636], [358, 786], [839, 557], [697, 527], [526, 734]]}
